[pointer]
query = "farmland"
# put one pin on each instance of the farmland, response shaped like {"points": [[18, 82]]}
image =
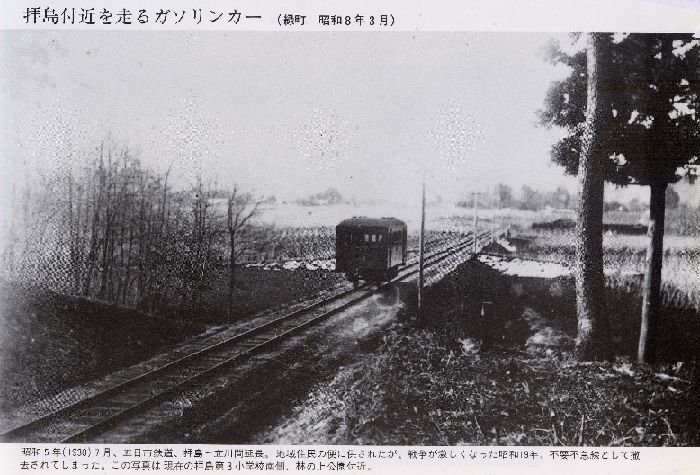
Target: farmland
{"points": [[624, 260]]}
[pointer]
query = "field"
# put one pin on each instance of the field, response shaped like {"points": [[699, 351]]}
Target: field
{"points": [[624, 260], [297, 265]]}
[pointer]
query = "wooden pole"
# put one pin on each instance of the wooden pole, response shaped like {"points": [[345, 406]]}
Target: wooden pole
{"points": [[476, 219], [422, 250], [651, 300], [499, 227]]}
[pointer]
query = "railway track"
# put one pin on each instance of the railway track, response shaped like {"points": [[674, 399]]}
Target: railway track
{"points": [[95, 414]]}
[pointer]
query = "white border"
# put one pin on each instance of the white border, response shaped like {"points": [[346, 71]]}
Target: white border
{"points": [[410, 15]]}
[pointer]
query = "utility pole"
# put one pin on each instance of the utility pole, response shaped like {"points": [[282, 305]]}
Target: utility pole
{"points": [[476, 219], [495, 226], [421, 252], [500, 214]]}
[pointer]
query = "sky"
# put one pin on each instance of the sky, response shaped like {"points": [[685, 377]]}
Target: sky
{"points": [[287, 114]]}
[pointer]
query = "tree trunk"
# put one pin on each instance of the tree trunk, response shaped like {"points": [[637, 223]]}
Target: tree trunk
{"points": [[652, 276], [593, 339]]}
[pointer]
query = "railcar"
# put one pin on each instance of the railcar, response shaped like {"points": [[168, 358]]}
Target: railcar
{"points": [[370, 249]]}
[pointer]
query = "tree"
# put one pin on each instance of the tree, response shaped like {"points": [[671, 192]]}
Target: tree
{"points": [[531, 199], [505, 195], [673, 200], [108, 229], [111, 228], [653, 133], [205, 229], [667, 130], [559, 198], [635, 205], [241, 208], [593, 337]]}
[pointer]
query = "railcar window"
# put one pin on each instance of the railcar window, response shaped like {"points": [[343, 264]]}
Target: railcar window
{"points": [[366, 237], [379, 239]]}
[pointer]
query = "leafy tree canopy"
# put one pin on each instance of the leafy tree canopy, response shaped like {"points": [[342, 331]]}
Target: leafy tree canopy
{"points": [[653, 106]]}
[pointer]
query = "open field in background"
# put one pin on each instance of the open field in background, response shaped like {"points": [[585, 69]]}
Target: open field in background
{"points": [[679, 222], [165, 267], [439, 217], [624, 255], [624, 259], [317, 243], [299, 264], [303, 237]]}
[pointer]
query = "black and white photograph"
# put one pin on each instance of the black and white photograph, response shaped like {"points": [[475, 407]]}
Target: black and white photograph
{"points": [[404, 238]]}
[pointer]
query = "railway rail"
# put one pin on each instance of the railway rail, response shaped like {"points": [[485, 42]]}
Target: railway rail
{"points": [[96, 413]]}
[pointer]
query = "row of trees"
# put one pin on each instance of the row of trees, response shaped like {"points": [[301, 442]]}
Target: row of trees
{"points": [[502, 196], [630, 109], [534, 200], [673, 201], [116, 231]]}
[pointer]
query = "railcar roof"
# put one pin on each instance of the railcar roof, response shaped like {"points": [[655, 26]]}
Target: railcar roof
{"points": [[364, 222]]}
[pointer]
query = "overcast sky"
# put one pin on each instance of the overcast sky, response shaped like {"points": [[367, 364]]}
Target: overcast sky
{"points": [[287, 113]]}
